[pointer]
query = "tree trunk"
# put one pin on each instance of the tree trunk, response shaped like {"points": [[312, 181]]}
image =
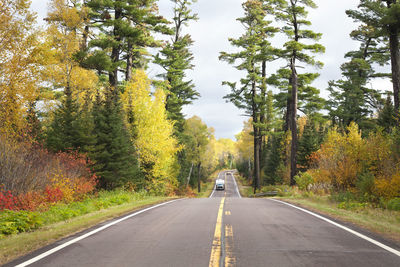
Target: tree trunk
{"points": [[263, 114], [395, 60], [129, 62], [256, 141], [198, 178], [85, 36], [190, 174], [116, 51], [293, 121]]}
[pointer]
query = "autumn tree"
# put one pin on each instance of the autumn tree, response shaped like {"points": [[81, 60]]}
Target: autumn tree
{"points": [[198, 138], [244, 143], [20, 58], [151, 134], [176, 59]]}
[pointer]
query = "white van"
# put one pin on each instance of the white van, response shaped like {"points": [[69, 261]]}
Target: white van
{"points": [[220, 184]]}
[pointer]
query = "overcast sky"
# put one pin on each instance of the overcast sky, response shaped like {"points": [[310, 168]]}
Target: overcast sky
{"points": [[217, 23]]}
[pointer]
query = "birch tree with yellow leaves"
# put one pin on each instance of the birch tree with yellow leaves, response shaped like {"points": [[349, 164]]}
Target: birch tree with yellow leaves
{"points": [[152, 134], [19, 63]]}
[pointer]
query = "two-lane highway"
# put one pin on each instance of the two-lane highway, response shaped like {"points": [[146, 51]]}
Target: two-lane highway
{"points": [[231, 188], [223, 230]]}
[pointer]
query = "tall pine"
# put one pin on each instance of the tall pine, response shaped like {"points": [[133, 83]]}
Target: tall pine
{"points": [[384, 18], [255, 51], [299, 48], [176, 59]]}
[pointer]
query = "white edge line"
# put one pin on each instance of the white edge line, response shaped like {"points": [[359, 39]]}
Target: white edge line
{"points": [[236, 186], [66, 244], [377, 243]]}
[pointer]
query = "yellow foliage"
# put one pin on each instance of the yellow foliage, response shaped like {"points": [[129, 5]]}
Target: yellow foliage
{"points": [[65, 185], [245, 141], [153, 132], [19, 63], [341, 158], [388, 187], [62, 42]]}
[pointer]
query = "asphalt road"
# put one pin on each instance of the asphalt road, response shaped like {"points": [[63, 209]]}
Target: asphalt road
{"points": [[223, 230]]}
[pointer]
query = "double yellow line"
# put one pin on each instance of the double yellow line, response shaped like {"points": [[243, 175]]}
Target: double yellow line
{"points": [[216, 244]]}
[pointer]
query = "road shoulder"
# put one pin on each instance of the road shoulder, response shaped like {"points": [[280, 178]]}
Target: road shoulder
{"points": [[365, 222], [16, 246]]}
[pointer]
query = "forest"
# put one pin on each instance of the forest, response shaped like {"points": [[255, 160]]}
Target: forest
{"points": [[347, 144], [79, 114]]}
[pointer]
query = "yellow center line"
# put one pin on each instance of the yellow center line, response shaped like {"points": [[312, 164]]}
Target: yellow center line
{"points": [[229, 258], [216, 245]]}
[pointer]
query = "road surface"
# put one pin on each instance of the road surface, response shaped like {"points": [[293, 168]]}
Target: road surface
{"points": [[223, 230]]}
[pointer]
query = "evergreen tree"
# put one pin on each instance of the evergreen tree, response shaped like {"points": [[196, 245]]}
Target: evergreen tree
{"points": [[125, 28], [293, 14], [350, 98], [309, 101], [64, 132], [113, 156], [255, 51], [309, 142], [33, 123], [383, 17], [176, 58], [387, 116], [274, 158]]}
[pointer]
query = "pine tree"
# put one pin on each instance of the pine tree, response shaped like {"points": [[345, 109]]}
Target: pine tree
{"points": [[309, 142], [293, 14], [387, 116], [176, 58], [255, 51], [64, 131], [113, 156], [126, 28], [383, 17], [351, 99]]}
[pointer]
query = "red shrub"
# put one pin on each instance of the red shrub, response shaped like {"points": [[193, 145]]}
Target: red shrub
{"points": [[8, 201]]}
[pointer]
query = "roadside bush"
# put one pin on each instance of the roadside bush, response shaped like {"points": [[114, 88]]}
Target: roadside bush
{"points": [[304, 180], [351, 205], [343, 196], [365, 187], [394, 204], [7, 200], [387, 187], [13, 222], [27, 167]]}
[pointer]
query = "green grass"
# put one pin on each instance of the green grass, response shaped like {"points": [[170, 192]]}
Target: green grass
{"points": [[245, 189], [381, 221], [63, 220]]}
